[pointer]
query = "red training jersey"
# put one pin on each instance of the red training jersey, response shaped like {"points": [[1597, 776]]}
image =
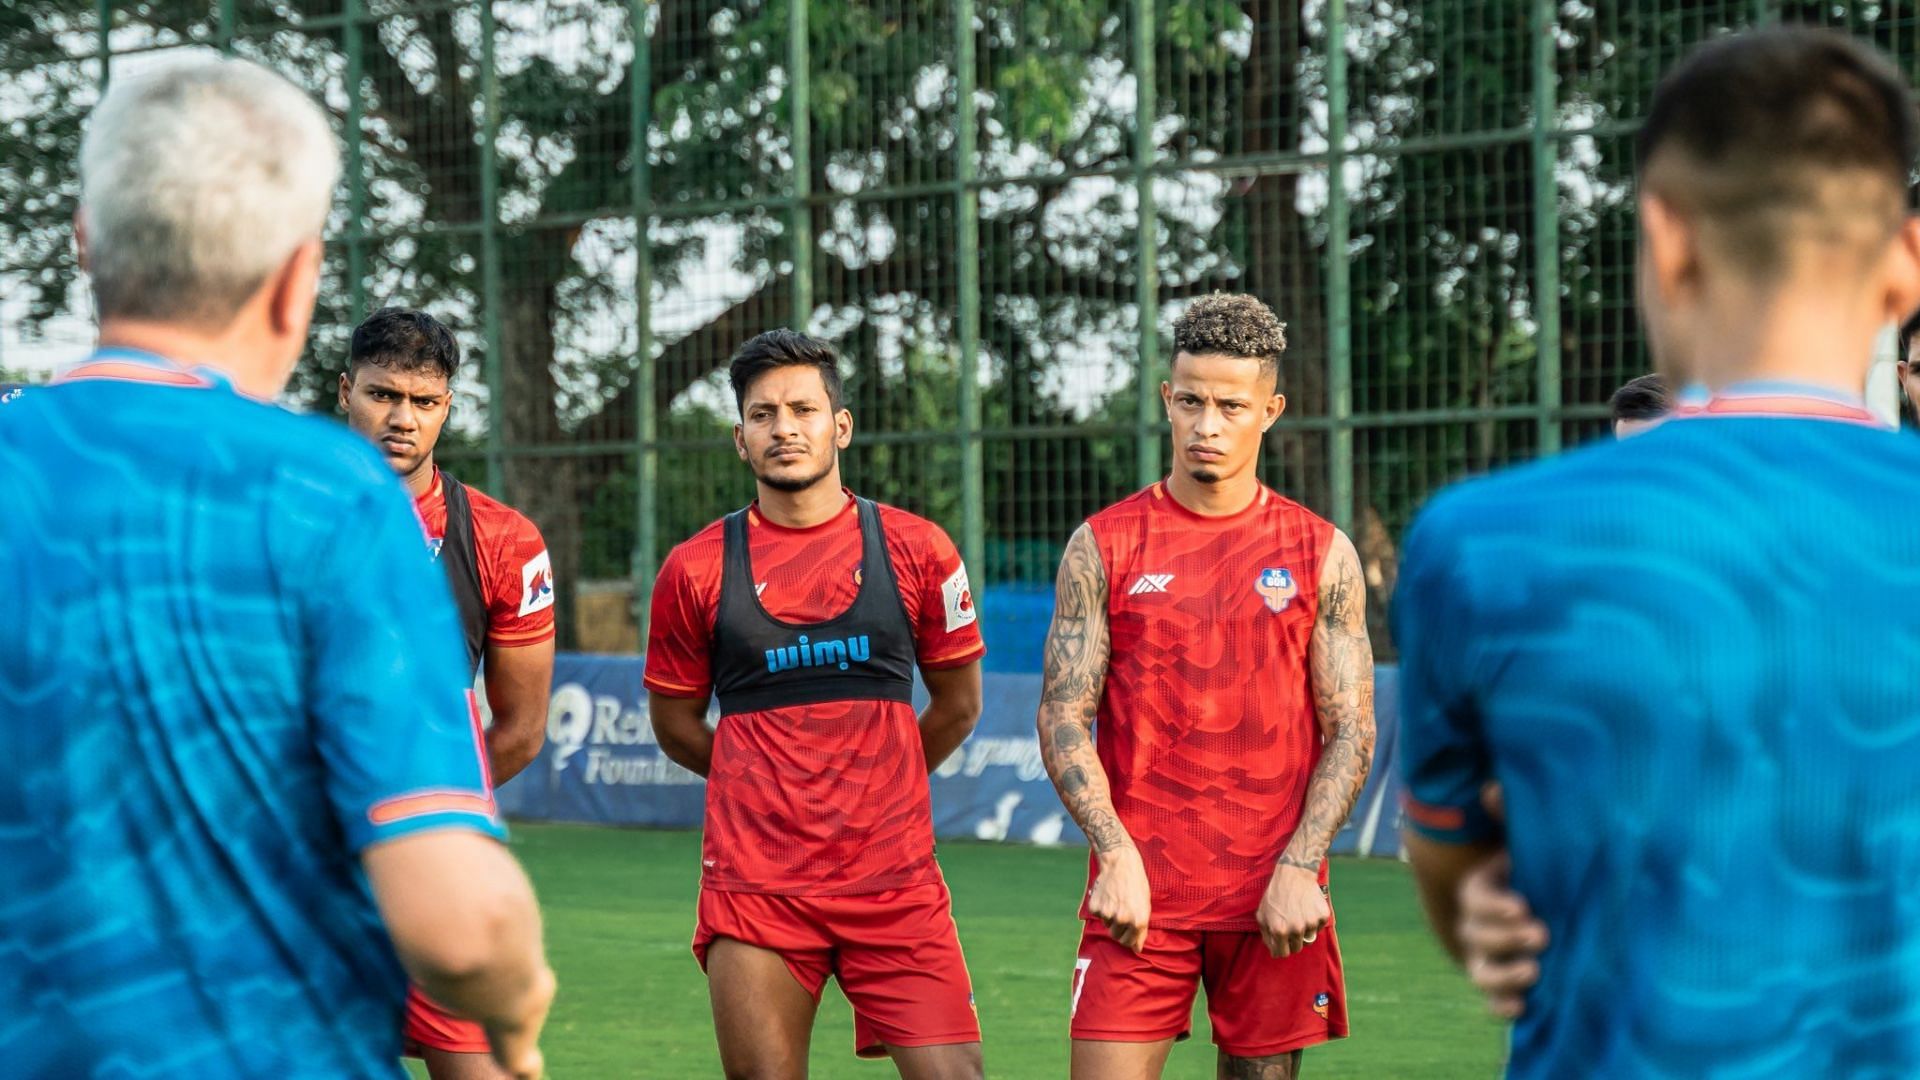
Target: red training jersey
{"points": [[1207, 728], [815, 800], [515, 572]]}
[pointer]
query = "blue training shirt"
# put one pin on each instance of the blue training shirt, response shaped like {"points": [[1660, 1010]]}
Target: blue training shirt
{"points": [[1692, 659], [227, 666]]}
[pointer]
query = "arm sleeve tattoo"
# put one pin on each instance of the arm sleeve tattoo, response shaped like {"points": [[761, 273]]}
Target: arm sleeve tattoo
{"points": [[1075, 675], [1341, 659]]}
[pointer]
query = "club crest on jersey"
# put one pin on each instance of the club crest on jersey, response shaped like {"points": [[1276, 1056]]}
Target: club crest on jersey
{"points": [[1276, 586], [433, 545]]}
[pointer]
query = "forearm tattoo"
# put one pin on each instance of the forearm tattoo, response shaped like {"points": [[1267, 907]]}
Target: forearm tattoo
{"points": [[1341, 663], [1075, 675]]}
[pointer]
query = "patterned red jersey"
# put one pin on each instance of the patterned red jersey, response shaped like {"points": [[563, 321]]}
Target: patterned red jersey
{"points": [[815, 800], [1207, 728], [515, 573]]}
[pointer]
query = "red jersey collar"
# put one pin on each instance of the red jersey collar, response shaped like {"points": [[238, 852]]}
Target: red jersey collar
{"points": [[434, 490], [755, 517], [137, 365], [1790, 400], [1164, 498]]}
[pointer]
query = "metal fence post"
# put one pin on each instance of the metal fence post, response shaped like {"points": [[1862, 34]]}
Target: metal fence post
{"points": [[646, 453], [800, 71], [973, 529], [490, 285], [1146, 107], [352, 38], [1339, 277], [103, 39], [1546, 230], [229, 19]]}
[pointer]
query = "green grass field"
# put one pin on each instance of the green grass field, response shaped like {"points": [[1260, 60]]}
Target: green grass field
{"points": [[619, 910]]}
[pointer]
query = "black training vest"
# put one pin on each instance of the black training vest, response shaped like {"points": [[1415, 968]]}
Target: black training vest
{"points": [[866, 653], [460, 554]]}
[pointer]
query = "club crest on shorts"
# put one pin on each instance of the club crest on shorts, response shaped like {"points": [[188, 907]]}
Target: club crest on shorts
{"points": [[1276, 586], [1320, 1003]]}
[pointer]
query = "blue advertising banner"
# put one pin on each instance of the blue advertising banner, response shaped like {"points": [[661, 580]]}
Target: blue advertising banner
{"points": [[600, 765]]}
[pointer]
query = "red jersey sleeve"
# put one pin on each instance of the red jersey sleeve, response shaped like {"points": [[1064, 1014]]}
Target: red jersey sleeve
{"points": [[520, 596], [936, 592], [680, 631]]}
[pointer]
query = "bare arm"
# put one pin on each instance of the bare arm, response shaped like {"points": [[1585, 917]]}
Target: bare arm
{"points": [[1075, 676], [952, 710], [680, 727], [475, 948], [1341, 658], [1439, 871], [519, 681]]}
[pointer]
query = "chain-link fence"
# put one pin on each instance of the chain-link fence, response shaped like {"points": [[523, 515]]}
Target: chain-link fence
{"points": [[995, 207]]}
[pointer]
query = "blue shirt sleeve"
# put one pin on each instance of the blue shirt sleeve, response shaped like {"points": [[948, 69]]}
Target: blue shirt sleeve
{"points": [[392, 706], [1443, 755]]}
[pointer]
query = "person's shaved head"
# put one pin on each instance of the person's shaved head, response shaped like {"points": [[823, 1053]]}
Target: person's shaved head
{"points": [[1780, 138]]}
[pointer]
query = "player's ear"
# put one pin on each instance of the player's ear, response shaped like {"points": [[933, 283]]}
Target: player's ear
{"points": [[346, 388], [1276, 405], [292, 290], [1903, 274], [80, 238], [740, 441], [843, 428], [1670, 250], [1166, 398]]}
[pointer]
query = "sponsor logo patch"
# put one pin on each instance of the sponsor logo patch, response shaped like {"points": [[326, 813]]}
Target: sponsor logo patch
{"points": [[959, 600], [536, 584], [1150, 583]]}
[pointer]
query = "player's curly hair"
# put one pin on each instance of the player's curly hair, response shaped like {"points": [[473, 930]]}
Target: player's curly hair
{"points": [[1231, 324]]}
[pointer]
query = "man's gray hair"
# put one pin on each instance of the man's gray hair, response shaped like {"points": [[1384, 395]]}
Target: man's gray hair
{"points": [[197, 181]]}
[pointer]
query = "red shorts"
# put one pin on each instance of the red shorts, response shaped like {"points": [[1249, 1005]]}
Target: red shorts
{"points": [[896, 954], [431, 1027], [1259, 1005]]}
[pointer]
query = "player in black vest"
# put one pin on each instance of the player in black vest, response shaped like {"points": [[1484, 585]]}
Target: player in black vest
{"points": [[806, 615], [397, 392]]}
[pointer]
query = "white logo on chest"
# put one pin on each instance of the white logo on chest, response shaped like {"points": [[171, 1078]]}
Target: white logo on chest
{"points": [[1150, 583]]}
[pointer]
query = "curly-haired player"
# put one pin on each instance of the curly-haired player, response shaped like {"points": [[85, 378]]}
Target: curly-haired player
{"points": [[1217, 630]]}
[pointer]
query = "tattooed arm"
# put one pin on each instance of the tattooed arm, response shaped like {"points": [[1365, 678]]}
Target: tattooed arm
{"points": [[1341, 661], [1076, 673]]}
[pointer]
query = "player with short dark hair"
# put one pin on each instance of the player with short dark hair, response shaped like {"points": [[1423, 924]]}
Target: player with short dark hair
{"points": [[397, 391], [1217, 631], [784, 348], [805, 614], [1664, 648], [1639, 403]]}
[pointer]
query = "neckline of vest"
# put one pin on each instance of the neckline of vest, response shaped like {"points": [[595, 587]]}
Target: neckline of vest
{"points": [[860, 588]]}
